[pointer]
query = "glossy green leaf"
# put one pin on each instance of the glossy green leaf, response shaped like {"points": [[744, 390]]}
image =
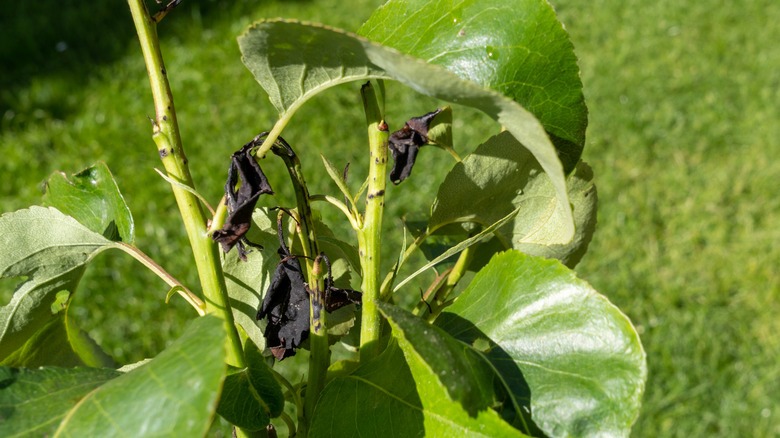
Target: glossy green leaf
{"points": [[500, 177], [92, 197], [175, 394], [52, 251], [451, 376], [34, 401], [294, 61], [379, 399], [516, 47], [556, 340], [397, 394], [251, 396], [62, 343]]}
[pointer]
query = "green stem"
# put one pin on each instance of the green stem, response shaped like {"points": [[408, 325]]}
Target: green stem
{"points": [[443, 291], [369, 236], [319, 350], [166, 136], [191, 298]]}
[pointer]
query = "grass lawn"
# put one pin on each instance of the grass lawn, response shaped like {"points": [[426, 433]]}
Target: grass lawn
{"points": [[684, 122]]}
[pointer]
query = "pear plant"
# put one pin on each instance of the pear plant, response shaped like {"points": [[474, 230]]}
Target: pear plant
{"points": [[518, 347]]}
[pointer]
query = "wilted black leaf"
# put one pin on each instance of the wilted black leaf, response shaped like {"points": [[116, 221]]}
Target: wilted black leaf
{"points": [[405, 143], [286, 304], [242, 202], [288, 300]]}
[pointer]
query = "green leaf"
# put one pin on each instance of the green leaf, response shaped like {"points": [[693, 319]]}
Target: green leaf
{"points": [[251, 396], [378, 399], [516, 47], [294, 61], [552, 336], [175, 394], [34, 401], [500, 177], [440, 129], [92, 197], [451, 376], [52, 250], [247, 281], [484, 234], [61, 342]]}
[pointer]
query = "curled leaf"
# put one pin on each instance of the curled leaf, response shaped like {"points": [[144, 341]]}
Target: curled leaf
{"points": [[287, 302], [241, 202], [405, 143]]}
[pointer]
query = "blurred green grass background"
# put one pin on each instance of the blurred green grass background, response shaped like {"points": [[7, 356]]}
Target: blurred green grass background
{"points": [[684, 128]]}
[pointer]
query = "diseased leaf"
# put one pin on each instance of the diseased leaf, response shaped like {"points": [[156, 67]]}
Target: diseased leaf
{"points": [[92, 197], [500, 177], [34, 401], [175, 394], [294, 61], [241, 202], [556, 341], [286, 304], [52, 250], [405, 143], [516, 47]]}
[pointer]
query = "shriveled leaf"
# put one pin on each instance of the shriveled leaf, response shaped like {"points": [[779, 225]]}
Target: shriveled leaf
{"points": [[52, 250], [516, 47], [93, 198], [251, 396], [175, 394], [294, 61], [453, 376], [241, 201], [61, 342], [34, 401], [556, 340], [499, 177]]}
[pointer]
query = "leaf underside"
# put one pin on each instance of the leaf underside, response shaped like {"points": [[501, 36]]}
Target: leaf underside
{"points": [[293, 61]]}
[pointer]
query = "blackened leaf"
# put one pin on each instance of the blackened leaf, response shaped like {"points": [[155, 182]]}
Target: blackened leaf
{"points": [[286, 304], [241, 202], [338, 298], [405, 144]]}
